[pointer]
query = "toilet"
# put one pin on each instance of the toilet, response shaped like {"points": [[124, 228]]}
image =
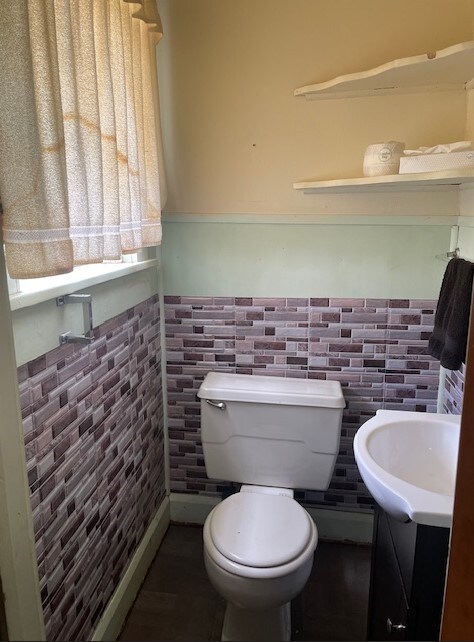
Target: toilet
{"points": [[272, 435]]}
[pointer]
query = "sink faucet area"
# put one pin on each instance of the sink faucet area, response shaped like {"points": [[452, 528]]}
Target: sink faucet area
{"points": [[408, 462]]}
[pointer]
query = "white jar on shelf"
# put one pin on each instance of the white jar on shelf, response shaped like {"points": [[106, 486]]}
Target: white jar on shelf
{"points": [[383, 158]]}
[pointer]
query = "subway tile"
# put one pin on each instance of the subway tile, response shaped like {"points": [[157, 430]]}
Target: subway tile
{"points": [[36, 366], [377, 303], [61, 392], [339, 339], [454, 391], [73, 368], [399, 303]]}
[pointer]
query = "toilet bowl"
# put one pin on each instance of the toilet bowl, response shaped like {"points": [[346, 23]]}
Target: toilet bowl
{"points": [[258, 550], [272, 435]]}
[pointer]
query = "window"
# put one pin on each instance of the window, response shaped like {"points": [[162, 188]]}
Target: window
{"points": [[27, 292], [79, 129]]}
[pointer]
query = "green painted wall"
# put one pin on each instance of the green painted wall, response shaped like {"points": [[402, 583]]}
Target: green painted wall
{"points": [[291, 260], [466, 241]]}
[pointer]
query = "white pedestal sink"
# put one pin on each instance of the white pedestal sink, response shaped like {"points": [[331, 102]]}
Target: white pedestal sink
{"points": [[408, 462]]}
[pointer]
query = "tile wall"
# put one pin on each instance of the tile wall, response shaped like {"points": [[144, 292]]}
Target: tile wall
{"points": [[93, 425], [454, 391], [376, 348], [93, 419]]}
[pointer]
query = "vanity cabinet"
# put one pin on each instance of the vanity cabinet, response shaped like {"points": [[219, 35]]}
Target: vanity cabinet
{"points": [[407, 579]]}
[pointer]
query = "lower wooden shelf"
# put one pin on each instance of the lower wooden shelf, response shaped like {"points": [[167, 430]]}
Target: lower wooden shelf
{"points": [[426, 181]]}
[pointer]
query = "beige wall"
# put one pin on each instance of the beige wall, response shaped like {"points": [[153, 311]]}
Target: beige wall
{"points": [[236, 138]]}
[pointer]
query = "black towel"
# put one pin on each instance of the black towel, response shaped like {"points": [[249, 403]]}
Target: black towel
{"points": [[449, 339]]}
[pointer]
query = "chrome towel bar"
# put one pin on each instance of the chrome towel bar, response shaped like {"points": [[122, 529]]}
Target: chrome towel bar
{"points": [[86, 301]]}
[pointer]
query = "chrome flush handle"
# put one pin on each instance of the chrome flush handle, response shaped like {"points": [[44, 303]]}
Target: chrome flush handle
{"points": [[216, 404]]}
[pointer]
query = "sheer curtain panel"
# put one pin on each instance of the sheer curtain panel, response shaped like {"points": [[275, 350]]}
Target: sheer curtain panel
{"points": [[81, 171]]}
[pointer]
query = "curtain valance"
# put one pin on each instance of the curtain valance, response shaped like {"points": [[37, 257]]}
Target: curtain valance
{"points": [[80, 149]]}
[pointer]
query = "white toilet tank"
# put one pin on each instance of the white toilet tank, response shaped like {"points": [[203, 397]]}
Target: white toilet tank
{"points": [[270, 431]]}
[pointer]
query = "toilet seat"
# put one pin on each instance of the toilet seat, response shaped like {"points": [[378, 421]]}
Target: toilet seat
{"points": [[256, 534], [255, 529]]}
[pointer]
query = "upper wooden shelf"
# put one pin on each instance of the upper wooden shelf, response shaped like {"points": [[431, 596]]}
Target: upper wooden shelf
{"points": [[444, 70], [425, 181]]}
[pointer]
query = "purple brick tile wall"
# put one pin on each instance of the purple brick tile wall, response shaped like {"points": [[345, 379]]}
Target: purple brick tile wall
{"points": [[376, 348], [93, 425], [454, 391]]}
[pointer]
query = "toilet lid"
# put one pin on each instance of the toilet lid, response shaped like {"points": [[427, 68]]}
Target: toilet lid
{"points": [[260, 530]]}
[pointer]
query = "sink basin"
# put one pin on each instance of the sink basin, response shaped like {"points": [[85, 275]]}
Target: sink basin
{"points": [[408, 462]]}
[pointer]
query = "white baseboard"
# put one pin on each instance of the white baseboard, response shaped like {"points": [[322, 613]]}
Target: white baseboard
{"points": [[342, 525], [191, 509], [121, 601], [332, 524]]}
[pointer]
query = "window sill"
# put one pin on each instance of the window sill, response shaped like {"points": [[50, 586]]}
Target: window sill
{"points": [[82, 277]]}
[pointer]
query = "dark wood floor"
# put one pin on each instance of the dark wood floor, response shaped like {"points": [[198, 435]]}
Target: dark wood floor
{"points": [[177, 601]]}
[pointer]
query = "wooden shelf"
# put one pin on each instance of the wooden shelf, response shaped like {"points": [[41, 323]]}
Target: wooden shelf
{"points": [[444, 70], [426, 181]]}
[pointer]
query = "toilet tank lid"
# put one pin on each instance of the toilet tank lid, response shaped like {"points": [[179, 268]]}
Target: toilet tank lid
{"points": [[223, 386]]}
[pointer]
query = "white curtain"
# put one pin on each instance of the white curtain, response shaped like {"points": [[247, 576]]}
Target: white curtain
{"points": [[80, 148]]}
